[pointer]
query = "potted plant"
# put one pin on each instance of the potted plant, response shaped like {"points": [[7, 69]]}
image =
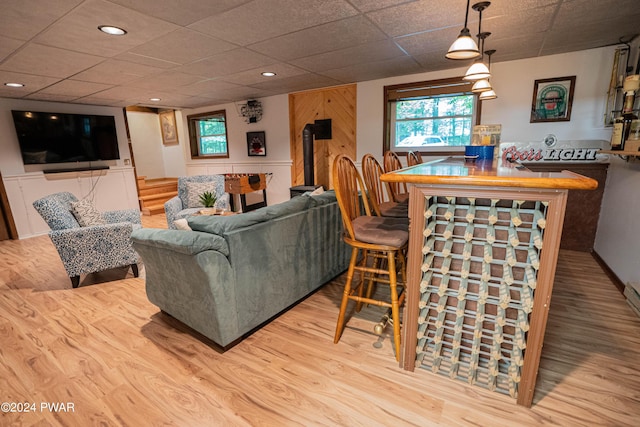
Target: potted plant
{"points": [[208, 199]]}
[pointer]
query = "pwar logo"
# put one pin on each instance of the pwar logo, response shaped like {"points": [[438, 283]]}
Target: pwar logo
{"points": [[551, 154]]}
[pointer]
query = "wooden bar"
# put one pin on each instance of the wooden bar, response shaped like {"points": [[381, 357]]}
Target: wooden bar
{"points": [[483, 247]]}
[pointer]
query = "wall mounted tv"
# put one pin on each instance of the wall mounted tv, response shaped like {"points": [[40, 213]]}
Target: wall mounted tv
{"points": [[63, 138]]}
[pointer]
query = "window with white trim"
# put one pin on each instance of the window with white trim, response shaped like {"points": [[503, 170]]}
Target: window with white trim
{"points": [[437, 116]]}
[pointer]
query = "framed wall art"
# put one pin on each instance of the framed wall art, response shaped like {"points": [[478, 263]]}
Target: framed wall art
{"points": [[256, 144], [552, 99], [168, 127]]}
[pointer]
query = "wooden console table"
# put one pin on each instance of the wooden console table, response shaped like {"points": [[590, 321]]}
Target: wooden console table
{"points": [[483, 247], [242, 184]]}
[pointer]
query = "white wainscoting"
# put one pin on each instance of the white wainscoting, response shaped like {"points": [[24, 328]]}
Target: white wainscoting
{"points": [[278, 180], [110, 189]]}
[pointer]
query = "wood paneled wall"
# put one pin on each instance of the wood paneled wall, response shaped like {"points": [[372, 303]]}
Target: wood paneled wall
{"points": [[339, 105]]}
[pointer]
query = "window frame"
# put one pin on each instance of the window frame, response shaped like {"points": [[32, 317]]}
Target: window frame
{"points": [[393, 93], [194, 134]]}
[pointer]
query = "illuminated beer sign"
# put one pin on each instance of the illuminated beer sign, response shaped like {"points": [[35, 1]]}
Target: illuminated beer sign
{"points": [[570, 151]]}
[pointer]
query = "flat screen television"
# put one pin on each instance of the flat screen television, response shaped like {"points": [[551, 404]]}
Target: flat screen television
{"points": [[63, 138]]}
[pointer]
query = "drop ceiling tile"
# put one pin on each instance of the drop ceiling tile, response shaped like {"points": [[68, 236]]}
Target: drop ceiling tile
{"points": [[264, 19], [251, 77], [78, 30], [146, 60], [23, 19], [49, 61], [115, 72], [435, 61], [96, 100], [368, 52], [166, 80], [74, 88], [589, 11], [323, 38], [39, 96], [8, 46], [375, 70], [226, 63], [428, 42], [196, 102], [183, 12], [531, 21], [244, 92], [369, 5], [415, 17], [31, 84], [126, 92], [182, 46], [298, 83], [206, 88]]}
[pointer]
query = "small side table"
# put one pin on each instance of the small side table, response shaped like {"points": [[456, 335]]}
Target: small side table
{"points": [[242, 184]]}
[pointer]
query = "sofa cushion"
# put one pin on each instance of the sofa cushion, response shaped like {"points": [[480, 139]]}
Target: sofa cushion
{"points": [[223, 224], [321, 199], [186, 242], [87, 214]]}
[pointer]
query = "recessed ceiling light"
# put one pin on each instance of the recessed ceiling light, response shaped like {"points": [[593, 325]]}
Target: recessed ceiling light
{"points": [[268, 73], [155, 99], [14, 84], [111, 30]]}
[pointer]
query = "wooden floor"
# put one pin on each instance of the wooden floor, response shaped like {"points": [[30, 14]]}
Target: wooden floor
{"points": [[109, 352]]}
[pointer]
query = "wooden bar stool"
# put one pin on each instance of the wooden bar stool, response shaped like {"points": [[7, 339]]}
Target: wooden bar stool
{"points": [[380, 240], [414, 158], [381, 204], [399, 191]]}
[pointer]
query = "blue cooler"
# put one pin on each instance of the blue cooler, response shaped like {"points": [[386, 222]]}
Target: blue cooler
{"points": [[484, 152]]}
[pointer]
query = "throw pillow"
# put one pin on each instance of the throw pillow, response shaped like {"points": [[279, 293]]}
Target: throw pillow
{"points": [[86, 214], [318, 191], [195, 190], [181, 224]]}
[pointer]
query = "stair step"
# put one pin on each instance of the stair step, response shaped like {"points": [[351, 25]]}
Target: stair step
{"points": [[152, 210], [168, 195], [158, 189]]}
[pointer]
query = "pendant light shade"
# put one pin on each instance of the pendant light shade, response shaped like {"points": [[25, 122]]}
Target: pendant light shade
{"points": [[464, 47], [482, 85], [477, 71], [489, 94]]}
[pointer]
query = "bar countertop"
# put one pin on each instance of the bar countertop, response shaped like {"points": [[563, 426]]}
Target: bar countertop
{"points": [[498, 173]]}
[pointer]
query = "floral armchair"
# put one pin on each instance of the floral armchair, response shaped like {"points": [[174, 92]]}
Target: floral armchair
{"points": [[93, 248], [187, 201]]}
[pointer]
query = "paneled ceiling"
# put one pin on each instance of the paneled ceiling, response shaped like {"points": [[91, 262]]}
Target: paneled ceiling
{"points": [[192, 53]]}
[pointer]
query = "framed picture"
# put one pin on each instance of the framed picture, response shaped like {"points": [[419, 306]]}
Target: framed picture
{"points": [[168, 127], [552, 99], [256, 144]]}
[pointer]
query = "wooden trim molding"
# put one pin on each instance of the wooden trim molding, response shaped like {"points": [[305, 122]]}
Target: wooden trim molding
{"points": [[609, 272]]}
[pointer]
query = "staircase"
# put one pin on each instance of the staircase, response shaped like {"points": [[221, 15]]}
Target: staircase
{"points": [[152, 193]]}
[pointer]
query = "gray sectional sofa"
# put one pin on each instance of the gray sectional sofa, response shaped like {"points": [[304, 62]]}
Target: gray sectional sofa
{"points": [[230, 274]]}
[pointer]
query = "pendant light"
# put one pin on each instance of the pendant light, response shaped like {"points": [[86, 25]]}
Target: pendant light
{"points": [[485, 96], [483, 85], [478, 70], [464, 47]]}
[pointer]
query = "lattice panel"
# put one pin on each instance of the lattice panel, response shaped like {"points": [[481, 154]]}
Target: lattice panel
{"points": [[479, 274]]}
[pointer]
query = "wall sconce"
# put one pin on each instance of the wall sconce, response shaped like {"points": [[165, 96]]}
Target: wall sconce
{"points": [[251, 111]]}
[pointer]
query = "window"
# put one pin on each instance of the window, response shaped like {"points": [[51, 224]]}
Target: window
{"points": [[437, 115], [208, 135]]}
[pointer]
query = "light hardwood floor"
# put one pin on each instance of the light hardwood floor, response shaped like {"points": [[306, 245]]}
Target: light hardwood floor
{"points": [[104, 348]]}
